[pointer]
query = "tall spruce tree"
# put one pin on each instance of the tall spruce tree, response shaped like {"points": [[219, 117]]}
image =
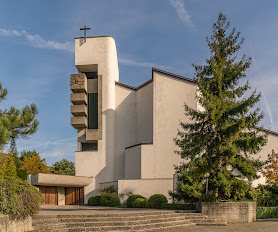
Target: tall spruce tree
{"points": [[220, 141]]}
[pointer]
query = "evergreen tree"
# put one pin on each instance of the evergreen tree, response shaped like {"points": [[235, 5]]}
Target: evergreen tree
{"points": [[15, 123], [220, 141], [64, 167]]}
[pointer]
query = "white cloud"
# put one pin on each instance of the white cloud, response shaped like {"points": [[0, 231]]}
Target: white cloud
{"points": [[131, 62], [267, 108], [47, 143], [182, 12], [37, 40]]}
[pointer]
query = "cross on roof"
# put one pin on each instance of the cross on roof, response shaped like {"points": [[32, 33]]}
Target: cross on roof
{"points": [[84, 29]]}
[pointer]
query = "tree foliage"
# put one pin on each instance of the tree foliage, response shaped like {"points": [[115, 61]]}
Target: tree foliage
{"points": [[221, 139], [9, 167], [33, 163], [64, 167], [18, 199], [270, 170], [15, 123]]}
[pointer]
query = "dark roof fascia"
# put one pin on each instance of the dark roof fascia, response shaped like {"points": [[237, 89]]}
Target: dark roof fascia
{"points": [[124, 85], [139, 145], [268, 131], [133, 88], [173, 75]]}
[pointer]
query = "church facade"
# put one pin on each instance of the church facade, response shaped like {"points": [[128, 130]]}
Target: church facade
{"points": [[125, 134]]}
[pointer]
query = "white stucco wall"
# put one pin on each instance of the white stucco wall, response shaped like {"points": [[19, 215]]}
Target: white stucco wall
{"points": [[272, 144], [125, 127], [133, 163], [99, 54], [146, 187], [170, 94], [144, 109]]}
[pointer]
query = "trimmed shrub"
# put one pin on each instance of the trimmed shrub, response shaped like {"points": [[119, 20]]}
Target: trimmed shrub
{"points": [[18, 199], [110, 199], [94, 201], [140, 203], [176, 206], [131, 199], [157, 200], [267, 212]]}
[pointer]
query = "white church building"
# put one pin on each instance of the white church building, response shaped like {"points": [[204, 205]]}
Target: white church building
{"points": [[124, 134]]}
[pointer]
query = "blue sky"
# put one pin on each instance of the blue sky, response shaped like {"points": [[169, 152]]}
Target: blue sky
{"points": [[37, 53]]}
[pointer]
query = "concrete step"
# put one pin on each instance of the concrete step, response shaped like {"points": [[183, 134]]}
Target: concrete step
{"points": [[147, 221], [111, 219], [212, 224], [203, 220]]}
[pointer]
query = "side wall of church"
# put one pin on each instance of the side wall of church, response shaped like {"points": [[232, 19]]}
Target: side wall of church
{"points": [[144, 112], [125, 127], [272, 144], [170, 94]]}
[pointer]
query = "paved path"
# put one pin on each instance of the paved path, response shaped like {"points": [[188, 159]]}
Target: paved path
{"points": [[246, 227]]}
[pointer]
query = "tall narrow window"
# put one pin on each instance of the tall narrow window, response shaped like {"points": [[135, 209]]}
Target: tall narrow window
{"points": [[93, 111]]}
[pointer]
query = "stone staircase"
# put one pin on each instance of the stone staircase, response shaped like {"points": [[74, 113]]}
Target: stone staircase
{"points": [[145, 221]]}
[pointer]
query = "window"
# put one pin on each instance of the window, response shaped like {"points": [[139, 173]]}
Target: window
{"points": [[93, 111], [89, 146], [91, 75]]}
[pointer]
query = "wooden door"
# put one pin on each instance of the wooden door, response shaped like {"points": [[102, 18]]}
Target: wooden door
{"points": [[74, 196], [49, 195]]}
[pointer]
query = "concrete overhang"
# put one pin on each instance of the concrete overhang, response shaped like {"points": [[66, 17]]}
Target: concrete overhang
{"points": [[45, 179]]}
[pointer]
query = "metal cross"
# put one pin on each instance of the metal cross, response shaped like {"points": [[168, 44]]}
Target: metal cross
{"points": [[84, 29]]}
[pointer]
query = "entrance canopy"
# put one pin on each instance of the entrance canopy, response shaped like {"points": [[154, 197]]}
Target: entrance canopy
{"points": [[45, 179]]}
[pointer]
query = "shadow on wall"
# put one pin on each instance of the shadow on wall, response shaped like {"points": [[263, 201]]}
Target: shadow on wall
{"points": [[106, 174]]}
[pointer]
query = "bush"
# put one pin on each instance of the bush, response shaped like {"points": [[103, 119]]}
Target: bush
{"points": [[18, 199], [140, 203], [156, 200], [267, 212], [176, 206], [94, 201], [131, 199], [110, 199], [107, 189]]}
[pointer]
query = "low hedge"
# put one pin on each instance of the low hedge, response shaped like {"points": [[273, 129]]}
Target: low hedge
{"points": [[157, 200], [110, 199], [18, 199], [140, 203], [267, 212], [131, 199], [94, 201], [176, 206]]}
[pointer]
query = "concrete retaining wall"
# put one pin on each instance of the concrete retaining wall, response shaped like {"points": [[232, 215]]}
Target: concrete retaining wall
{"points": [[231, 212], [7, 225]]}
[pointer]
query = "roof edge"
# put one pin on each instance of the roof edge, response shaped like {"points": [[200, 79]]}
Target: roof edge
{"points": [[97, 36], [134, 88], [268, 131], [173, 75]]}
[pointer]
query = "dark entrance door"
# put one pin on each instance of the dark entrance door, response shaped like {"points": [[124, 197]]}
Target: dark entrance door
{"points": [[49, 195], [74, 196]]}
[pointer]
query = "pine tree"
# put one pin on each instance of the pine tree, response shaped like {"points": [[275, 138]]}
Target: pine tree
{"points": [[15, 123], [220, 141]]}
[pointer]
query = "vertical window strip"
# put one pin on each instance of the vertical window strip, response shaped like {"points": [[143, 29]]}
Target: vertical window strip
{"points": [[93, 111]]}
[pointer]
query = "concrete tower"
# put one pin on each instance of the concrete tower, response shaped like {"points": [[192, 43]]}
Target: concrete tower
{"points": [[93, 107]]}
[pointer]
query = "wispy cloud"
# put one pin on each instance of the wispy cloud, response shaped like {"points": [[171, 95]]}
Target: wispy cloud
{"points": [[47, 143], [37, 40], [132, 62], [182, 12], [267, 108]]}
